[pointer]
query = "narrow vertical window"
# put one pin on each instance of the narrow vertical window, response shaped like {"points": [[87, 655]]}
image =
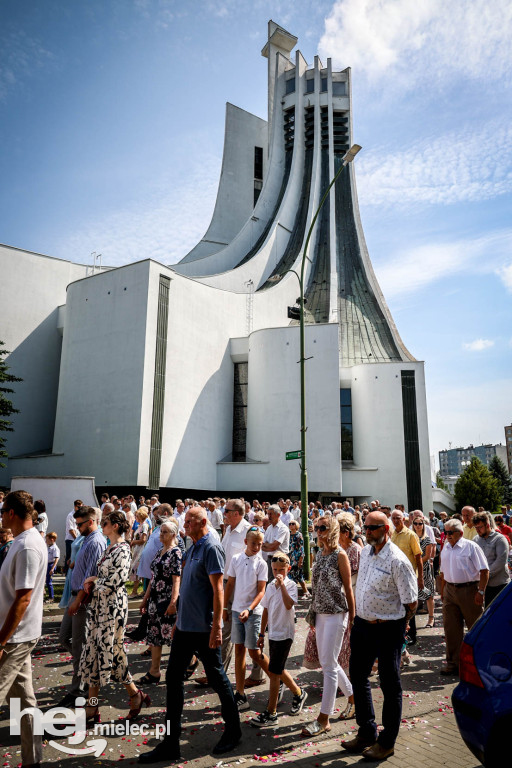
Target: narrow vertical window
{"points": [[241, 383], [347, 445]]}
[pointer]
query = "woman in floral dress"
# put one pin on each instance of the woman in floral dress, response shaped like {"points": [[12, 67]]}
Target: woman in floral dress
{"points": [[103, 656], [161, 597], [297, 557]]}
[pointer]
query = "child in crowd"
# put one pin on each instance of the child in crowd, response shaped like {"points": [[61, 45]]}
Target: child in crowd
{"points": [[53, 559], [279, 613], [247, 578]]}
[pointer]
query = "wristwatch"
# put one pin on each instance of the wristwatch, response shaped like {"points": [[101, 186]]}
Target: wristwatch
{"points": [[250, 611], [481, 592]]}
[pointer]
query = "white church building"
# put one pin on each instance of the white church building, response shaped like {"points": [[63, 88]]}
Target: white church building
{"points": [[185, 377]]}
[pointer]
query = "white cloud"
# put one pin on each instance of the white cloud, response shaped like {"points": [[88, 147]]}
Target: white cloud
{"points": [[416, 268], [478, 345], [402, 38], [440, 169], [505, 273], [167, 221]]}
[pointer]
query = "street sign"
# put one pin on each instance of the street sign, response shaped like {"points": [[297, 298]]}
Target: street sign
{"points": [[293, 455]]}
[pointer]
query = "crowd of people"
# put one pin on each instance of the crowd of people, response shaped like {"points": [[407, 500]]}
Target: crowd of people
{"points": [[226, 575]]}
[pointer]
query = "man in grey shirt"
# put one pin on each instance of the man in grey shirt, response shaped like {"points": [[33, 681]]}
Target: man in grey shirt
{"points": [[495, 548]]}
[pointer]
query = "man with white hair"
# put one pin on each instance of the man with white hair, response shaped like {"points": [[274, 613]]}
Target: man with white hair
{"points": [[464, 575], [277, 536]]}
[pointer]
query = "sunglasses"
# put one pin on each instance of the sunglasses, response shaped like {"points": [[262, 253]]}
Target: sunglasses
{"points": [[417, 523], [322, 528], [373, 527], [451, 533], [279, 559]]}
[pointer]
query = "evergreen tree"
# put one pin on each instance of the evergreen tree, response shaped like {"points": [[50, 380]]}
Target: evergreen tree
{"points": [[6, 406], [476, 487], [499, 471]]}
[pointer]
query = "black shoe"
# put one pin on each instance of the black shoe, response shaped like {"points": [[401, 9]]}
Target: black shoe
{"points": [[227, 743], [165, 751], [70, 698]]}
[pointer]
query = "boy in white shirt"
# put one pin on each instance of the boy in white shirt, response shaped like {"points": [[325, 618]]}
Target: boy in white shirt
{"points": [[53, 559], [247, 578], [279, 612]]}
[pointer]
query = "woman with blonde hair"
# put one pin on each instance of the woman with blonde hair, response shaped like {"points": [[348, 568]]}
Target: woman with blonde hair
{"points": [[333, 607], [347, 533], [137, 544]]}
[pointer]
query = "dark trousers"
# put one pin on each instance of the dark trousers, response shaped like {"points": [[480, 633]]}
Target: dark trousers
{"points": [[68, 555], [412, 633], [492, 592], [184, 645], [49, 582], [368, 642]]}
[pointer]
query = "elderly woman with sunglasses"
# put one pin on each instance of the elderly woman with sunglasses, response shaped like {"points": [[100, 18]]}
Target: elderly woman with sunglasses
{"points": [[428, 550], [334, 606]]}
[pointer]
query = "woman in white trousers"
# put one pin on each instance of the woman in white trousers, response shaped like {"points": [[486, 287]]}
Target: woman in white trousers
{"points": [[333, 604]]}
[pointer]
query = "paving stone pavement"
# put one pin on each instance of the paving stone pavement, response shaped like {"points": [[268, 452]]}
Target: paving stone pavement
{"points": [[428, 736]]}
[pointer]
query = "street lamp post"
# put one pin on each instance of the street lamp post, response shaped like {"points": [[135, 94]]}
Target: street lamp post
{"points": [[352, 152]]}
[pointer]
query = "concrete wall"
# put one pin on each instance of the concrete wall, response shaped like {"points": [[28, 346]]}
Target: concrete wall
{"points": [[235, 196], [58, 493], [273, 419], [33, 286], [377, 421]]}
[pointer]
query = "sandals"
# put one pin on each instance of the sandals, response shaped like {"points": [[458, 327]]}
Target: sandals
{"points": [[149, 679], [144, 701], [191, 669], [430, 624], [315, 729], [147, 652], [349, 712]]}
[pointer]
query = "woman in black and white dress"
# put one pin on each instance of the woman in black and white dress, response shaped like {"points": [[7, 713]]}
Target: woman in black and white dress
{"points": [[103, 656]]}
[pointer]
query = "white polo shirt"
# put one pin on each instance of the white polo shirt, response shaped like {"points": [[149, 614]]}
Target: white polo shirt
{"points": [[247, 571], [462, 561], [281, 621], [234, 541], [280, 533], [70, 525]]}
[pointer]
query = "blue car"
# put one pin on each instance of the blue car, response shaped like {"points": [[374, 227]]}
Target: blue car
{"points": [[482, 701]]}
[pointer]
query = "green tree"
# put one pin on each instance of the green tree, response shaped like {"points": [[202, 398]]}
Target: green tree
{"points": [[6, 406], [499, 471], [476, 487], [440, 483]]}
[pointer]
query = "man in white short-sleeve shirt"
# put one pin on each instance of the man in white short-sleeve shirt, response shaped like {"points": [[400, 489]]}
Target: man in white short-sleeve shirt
{"points": [[22, 580], [277, 536]]}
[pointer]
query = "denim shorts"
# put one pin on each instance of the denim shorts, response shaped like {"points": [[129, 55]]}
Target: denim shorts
{"points": [[245, 633]]}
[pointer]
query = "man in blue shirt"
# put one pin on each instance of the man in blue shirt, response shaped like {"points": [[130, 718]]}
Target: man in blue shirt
{"points": [[86, 564], [198, 630]]}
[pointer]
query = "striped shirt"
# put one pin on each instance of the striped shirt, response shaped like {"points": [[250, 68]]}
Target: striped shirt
{"points": [[86, 563]]}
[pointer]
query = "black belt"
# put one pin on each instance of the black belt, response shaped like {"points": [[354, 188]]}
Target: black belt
{"points": [[464, 584]]}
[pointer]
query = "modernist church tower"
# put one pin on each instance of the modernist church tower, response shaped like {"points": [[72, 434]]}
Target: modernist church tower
{"points": [[185, 376]]}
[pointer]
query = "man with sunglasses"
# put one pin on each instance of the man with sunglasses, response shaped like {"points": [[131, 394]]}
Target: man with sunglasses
{"points": [[386, 597], [86, 564], [464, 575]]}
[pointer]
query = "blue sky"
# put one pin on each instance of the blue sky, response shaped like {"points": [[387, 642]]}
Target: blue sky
{"points": [[111, 127]]}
